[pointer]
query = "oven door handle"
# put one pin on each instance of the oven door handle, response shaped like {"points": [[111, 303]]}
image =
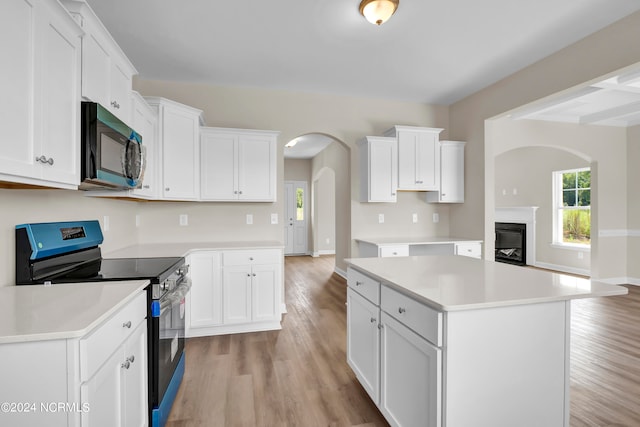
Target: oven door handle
{"points": [[175, 295]]}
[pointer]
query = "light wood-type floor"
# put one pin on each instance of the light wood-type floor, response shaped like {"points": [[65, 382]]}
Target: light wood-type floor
{"points": [[299, 376]]}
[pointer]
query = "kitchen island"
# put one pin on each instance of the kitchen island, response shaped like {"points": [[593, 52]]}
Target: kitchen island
{"points": [[460, 342]]}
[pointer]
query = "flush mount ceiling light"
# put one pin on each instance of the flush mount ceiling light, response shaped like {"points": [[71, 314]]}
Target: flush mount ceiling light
{"points": [[378, 11]]}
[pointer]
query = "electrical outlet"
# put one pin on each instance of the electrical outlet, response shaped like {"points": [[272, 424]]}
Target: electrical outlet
{"points": [[436, 217], [137, 221], [105, 223], [184, 219], [327, 240], [274, 218], [580, 255], [414, 218], [515, 191], [249, 219], [380, 218]]}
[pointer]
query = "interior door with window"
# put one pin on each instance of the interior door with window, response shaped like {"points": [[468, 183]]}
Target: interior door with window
{"points": [[295, 231]]}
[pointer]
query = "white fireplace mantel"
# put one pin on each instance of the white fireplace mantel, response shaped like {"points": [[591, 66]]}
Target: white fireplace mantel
{"points": [[522, 215]]}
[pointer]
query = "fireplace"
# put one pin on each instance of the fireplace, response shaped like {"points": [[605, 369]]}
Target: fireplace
{"points": [[511, 243]]}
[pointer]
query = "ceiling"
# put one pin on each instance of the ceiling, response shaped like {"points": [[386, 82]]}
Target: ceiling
{"points": [[614, 101], [431, 51], [306, 146]]}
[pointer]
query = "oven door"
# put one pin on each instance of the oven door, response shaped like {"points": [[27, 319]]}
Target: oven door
{"points": [[169, 328]]}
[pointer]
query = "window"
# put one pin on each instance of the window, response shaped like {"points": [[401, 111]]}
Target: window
{"points": [[572, 207], [299, 204]]}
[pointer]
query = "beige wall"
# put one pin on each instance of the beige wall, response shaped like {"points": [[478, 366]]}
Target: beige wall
{"points": [[297, 169], [345, 118], [324, 212], [633, 203], [602, 53]]}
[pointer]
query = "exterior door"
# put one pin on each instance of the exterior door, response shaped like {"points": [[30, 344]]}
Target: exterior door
{"points": [[296, 213]]}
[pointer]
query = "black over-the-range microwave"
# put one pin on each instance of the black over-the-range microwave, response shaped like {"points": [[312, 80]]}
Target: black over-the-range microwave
{"points": [[112, 154]]}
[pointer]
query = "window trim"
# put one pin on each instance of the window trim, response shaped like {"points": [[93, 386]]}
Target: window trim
{"points": [[557, 208]]}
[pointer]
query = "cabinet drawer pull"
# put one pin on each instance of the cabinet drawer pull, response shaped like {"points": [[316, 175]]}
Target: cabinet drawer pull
{"points": [[43, 159], [359, 283], [127, 324], [401, 310]]}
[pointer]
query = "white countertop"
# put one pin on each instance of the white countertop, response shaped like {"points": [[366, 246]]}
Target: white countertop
{"points": [[451, 283], [152, 250], [37, 312], [381, 241]]}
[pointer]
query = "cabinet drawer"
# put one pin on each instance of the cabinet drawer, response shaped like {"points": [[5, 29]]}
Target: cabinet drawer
{"points": [[251, 257], [424, 320], [96, 347], [364, 285], [399, 250], [473, 250]]}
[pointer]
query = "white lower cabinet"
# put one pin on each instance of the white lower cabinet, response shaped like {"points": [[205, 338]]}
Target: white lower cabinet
{"points": [[115, 395], [235, 291], [363, 342], [388, 350], [410, 377], [100, 379]]}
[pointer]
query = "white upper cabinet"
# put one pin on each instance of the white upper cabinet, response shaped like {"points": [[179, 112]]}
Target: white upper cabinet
{"points": [[144, 120], [451, 174], [106, 71], [378, 169], [418, 157], [41, 93], [238, 165], [178, 138]]}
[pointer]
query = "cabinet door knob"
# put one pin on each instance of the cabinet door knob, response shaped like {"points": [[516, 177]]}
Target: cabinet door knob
{"points": [[126, 365], [250, 258], [131, 358], [146, 186], [248, 274], [254, 274], [359, 283], [393, 194], [235, 192], [167, 189], [127, 324], [401, 310], [373, 320], [380, 326], [115, 105]]}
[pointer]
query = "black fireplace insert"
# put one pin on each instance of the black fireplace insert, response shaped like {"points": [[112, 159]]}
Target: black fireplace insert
{"points": [[511, 243]]}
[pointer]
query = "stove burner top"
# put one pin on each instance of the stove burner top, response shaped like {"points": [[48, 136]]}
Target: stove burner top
{"points": [[155, 269]]}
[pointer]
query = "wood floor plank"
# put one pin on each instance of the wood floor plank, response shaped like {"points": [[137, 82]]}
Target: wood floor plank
{"points": [[299, 376]]}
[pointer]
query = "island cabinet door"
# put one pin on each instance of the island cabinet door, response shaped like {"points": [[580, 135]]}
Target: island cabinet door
{"points": [[363, 342], [411, 377]]}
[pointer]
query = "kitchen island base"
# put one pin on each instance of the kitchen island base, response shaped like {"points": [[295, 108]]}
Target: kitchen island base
{"points": [[456, 342]]}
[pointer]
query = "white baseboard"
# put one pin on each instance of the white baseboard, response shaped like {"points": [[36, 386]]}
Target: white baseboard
{"points": [[563, 268], [316, 254], [620, 281], [340, 272]]}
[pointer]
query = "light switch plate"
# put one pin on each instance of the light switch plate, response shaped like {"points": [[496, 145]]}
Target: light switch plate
{"points": [[249, 219], [274, 218], [184, 219]]}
